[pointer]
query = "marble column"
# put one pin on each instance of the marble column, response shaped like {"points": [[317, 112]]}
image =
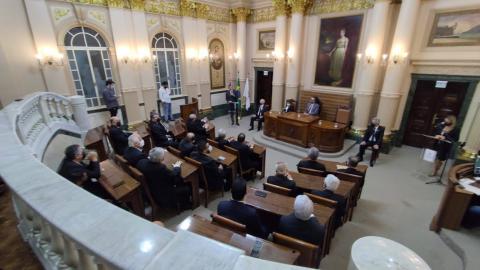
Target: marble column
{"points": [[367, 84], [278, 83], [293, 55], [241, 14], [397, 63]]}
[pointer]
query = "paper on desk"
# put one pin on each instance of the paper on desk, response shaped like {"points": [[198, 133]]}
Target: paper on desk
{"points": [[341, 167], [465, 182]]}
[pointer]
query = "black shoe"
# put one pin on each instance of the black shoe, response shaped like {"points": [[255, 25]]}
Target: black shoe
{"points": [[250, 129], [237, 124], [372, 162], [232, 123], [259, 129]]}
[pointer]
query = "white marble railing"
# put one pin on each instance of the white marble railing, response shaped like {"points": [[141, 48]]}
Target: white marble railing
{"points": [[67, 227]]}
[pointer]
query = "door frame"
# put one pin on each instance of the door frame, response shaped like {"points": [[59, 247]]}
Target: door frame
{"points": [[472, 84], [256, 69]]}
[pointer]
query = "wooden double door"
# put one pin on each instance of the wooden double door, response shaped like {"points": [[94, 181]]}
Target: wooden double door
{"points": [[431, 104]]}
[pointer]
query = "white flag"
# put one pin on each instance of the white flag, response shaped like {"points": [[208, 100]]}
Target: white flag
{"points": [[246, 94]]}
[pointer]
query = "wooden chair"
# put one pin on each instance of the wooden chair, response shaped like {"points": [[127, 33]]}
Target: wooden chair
{"points": [[213, 143], [137, 175], [203, 178], [174, 151], [312, 171], [122, 162], [277, 189], [357, 180], [322, 201], [229, 224], [240, 168], [308, 252]]}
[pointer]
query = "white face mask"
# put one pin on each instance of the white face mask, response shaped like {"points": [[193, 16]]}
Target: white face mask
{"points": [[210, 148], [142, 143]]}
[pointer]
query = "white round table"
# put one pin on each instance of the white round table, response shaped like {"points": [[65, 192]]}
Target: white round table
{"points": [[378, 253]]}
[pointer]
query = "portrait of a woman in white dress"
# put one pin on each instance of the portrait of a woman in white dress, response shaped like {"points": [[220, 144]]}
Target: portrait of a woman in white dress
{"points": [[337, 57]]}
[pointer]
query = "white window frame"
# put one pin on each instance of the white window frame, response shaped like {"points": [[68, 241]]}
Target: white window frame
{"points": [[176, 57]]}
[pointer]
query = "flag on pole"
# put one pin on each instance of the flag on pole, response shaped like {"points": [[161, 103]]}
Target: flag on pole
{"points": [[246, 94]]}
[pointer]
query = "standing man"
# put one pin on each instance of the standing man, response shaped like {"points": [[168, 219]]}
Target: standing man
{"points": [[262, 108], [109, 97], [373, 137], [164, 95], [232, 97]]}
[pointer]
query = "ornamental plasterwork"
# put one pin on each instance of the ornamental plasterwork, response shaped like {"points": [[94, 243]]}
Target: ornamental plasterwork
{"points": [[97, 16], [172, 24], [262, 15], [59, 13], [219, 14], [216, 29], [151, 22], [162, 7], [332, 6]]}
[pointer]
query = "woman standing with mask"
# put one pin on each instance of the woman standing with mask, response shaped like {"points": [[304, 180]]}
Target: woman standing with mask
{"points": [[446, 134]]}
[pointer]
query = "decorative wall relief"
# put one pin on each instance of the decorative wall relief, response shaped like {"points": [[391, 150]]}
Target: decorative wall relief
{"points": [[151, 22], [459, 28], [98, 16], [217, 64], [60, 13]]}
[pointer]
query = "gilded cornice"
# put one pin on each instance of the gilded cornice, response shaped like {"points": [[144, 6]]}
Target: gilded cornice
{"points": [[138, 5], [280, 7], [262, 15], [241, 13], [162, 7], [299, 6], [187, 8], [331, 6]]}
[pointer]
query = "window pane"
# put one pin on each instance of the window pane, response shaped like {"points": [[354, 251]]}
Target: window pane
{"points": [[95, 102], [78, 85], [174, 43], [91, 41], [98, 70], [75, 76], [168, 44], [89, 102], [171, 70], [72, 65], [107, 63], [75, 30], [70, 55], [162, 66], [109, 73], [85, 74]]}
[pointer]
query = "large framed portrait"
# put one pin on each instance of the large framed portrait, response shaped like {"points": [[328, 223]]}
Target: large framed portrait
{"points": [[337, 49], [459, 28], [266, 40], [217, 64]]}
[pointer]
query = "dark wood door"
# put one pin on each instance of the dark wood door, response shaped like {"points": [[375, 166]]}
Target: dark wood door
{"points": [[429, 107], [264, 86]]}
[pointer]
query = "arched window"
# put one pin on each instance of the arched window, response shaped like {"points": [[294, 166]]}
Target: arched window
{"points": [[167, 63], [89, 62]]}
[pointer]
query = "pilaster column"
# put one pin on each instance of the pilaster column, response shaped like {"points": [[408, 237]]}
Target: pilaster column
{"points": [[367, 84], [294, 46], [278, 83], [241, 14], [396, 70]]}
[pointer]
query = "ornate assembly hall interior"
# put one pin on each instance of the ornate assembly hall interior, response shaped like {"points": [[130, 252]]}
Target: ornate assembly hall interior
{"points": [[240, 134]]}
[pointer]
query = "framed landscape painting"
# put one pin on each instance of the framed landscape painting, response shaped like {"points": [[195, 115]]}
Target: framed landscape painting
{"points": [[458, 28], [266, 40]]}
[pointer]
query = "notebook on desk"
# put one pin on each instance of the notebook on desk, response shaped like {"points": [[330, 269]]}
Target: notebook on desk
{"points": [[114, 182], [341, 167]]}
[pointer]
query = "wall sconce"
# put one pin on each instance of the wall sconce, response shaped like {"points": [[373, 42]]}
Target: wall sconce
{"points": [[384, 59], [124, 55], [143, 55], [369, 56], [49, 57], [277, 56], [290, 54], [202, 54], [398, 55]]}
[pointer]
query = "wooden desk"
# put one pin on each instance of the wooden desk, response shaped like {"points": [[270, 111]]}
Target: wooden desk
{"points": [[331, 166], [268, 251], [229, 161], [188, 173], [281, 205], [326, 136], [312, 182], [293, 127], [94, 141], [455, 201], [261, 152], [129, 192]]}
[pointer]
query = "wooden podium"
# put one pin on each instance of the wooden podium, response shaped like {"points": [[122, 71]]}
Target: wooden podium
{"points": [[187, 109]]}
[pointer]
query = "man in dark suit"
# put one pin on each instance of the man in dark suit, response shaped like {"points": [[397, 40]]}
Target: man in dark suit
{"points": [[313, 106], [301, 224], [160, 136], [232, 97], [282, 178], [288, 106], [261, 109], [221, 139], [214, 171], [186, 145], [133, 154], [76, 171], [118, 137], [373, 137], [247, 157], [166, 186], [311, 161], [237, 211], [197, 127], [330, 185], [352, 163]]}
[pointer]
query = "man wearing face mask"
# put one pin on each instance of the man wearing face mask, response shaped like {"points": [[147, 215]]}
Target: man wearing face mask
{"points": [[76, 171], [373, 138], [160, 136], [110, 98], [289, 106], [214, 171], [118, 137], [261, 109], [313, 106], [133, 154]]}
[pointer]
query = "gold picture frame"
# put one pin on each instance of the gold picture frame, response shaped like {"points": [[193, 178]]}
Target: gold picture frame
{"points": [[455, 28]]}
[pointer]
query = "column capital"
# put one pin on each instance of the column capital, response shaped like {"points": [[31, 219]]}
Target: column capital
{"points": [[300, 6], [138, 5], [280, 7], [241, 13], [187, 8], [202, 11]]}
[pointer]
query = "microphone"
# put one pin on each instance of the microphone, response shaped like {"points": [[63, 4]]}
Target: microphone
{"points": [[440, 124]]}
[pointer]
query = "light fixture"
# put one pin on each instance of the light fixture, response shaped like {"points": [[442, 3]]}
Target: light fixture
{"points": [[290, 54], [384, 59], [49, 57], [191, 54], [124, 54], [236, 56], [143, 55], [202, 54], [370, 53], [398, 55]]}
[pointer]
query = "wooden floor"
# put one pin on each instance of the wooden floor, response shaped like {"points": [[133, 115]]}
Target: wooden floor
{"points": [[15, 254]]}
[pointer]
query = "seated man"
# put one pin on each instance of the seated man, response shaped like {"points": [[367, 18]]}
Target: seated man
{"points": [[197, 127], [167, 188], [313, 107], [118, 138], [282, 178], [186, 145], [261, 109], [289, 107], [330, 185], [373, 137], [221, 139], [311, 161], [237, 211], [77, 172], [133, 154], [248, 158], [352, 163], [302, 224], [160, 136], [214, 171]]}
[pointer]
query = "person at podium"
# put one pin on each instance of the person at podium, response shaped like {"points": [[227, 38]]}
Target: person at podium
{"points": [[313, 106], [445, 134], [232, 97]]}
